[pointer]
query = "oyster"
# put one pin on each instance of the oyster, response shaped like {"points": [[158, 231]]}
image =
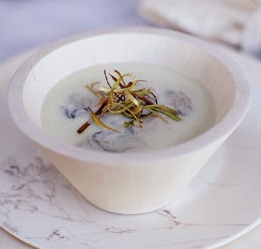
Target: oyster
{"points": [[181, 102], [76, 106], [113, 142]]}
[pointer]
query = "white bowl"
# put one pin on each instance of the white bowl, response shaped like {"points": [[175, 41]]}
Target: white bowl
{"points": [[130, 183]]}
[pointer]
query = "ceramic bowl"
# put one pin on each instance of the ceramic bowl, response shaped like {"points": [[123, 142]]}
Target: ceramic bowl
{"points": [[130, 183]]}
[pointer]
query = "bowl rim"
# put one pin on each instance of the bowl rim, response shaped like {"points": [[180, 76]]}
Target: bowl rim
{"points": [[220, 130]]}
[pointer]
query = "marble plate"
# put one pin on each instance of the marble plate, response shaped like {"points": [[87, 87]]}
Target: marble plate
{"points": [[38, 206]]}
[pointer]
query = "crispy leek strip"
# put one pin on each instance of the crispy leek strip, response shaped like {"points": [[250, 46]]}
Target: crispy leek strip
{"points": [[97, 121], [167, 111]]}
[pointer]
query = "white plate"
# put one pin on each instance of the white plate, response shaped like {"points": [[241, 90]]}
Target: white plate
{"points": [[38, 206]]}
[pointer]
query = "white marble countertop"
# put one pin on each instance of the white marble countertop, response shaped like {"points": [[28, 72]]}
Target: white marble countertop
{"points": [[28, 24]]}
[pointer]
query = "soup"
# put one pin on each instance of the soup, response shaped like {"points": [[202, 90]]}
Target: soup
{"points": [[67, 107]]}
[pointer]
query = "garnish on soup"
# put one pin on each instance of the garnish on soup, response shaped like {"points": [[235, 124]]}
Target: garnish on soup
{"points": [[123, 97]]}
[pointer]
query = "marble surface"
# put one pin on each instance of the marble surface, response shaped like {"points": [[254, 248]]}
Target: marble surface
{"points": [[31, 191]]}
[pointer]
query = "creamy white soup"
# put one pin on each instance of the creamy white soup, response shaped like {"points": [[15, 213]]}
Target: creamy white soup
{"points": [[65, 109]]}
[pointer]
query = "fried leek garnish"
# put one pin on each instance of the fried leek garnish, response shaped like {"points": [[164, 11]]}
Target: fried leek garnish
{"points": [[123, 97]]}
